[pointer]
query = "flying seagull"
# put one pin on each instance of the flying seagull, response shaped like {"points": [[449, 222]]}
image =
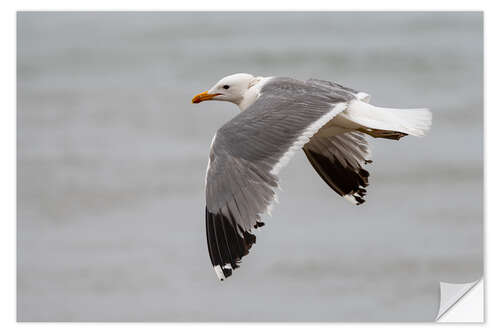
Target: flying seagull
{"points": [[278, 117]]}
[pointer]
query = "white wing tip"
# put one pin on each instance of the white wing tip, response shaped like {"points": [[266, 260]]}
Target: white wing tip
{"points": [[218, 271], [350, 198]]}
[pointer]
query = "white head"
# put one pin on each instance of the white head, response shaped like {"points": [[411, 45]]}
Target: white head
{"points": [[232, 88]]}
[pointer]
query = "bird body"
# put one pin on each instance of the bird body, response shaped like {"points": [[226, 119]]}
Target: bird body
{"points": [[278, 117]]}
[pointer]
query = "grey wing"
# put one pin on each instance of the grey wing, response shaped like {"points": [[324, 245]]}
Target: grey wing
{"points": [[237, 191], [334, 85], [246, 155], [339, 161]]}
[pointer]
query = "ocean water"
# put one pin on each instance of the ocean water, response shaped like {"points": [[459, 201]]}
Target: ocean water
{"points": [[112, 158]]}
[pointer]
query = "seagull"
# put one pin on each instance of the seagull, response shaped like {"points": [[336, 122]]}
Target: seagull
{"points": [[278, 117]]}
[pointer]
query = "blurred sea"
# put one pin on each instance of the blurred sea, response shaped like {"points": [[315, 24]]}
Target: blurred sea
{"points": [[112, 158]]}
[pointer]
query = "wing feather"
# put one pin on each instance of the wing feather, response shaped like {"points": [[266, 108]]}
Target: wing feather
{"points": [[339, 161]]}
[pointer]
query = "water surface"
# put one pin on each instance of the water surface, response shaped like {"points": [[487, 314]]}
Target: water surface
{"points": [[112, 158]]}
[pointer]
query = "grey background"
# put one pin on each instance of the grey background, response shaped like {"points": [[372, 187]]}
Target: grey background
{"points": [[112, 158]]}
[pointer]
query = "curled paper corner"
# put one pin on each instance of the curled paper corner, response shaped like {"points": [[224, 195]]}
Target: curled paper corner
{"points": [[451, 294]]}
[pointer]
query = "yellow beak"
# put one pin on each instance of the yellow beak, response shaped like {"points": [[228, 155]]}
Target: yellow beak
{"points": [[204, 96]]}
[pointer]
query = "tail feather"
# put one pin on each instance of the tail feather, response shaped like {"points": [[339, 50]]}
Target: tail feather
{"points": [[409, 121]]}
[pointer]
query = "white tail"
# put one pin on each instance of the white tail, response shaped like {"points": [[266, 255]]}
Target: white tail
{"points": [[410, 121]]}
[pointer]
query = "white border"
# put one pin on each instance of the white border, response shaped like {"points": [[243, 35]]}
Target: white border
{"points": [[261, 5], [7, 149]]}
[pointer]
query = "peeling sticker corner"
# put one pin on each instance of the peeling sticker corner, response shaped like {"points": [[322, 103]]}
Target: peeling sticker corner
{"points": [[451, 294]]}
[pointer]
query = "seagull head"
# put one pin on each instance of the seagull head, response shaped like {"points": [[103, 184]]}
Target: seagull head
{"points": [[232, 88]]}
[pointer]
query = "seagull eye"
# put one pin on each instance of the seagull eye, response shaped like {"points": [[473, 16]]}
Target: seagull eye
{"points": [[225, 86]]}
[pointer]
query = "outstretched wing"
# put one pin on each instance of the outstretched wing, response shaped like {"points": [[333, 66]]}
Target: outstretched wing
{"points": [[247, 154], [339, 161]]}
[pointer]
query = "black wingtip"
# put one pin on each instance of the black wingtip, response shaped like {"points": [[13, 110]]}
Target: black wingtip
{"points": [[225, 245], [348, 181]]}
